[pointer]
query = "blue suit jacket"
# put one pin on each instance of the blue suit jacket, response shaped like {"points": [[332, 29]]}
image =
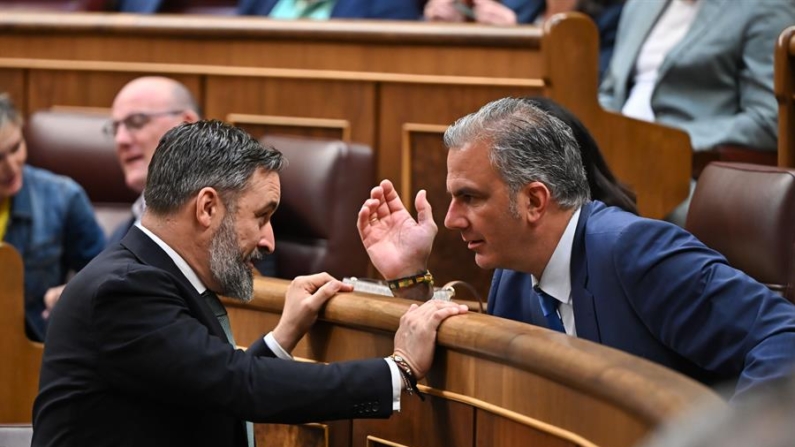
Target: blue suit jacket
{"points": [[349, 9], [651, 289]]}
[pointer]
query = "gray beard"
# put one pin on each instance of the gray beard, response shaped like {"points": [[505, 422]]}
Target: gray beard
{"points": [[227, 264]]}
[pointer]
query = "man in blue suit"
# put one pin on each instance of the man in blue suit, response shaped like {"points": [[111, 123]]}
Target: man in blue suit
{"points": [[520, 199]]}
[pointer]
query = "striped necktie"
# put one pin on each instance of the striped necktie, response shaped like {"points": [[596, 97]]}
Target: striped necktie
{"points": [[549, 305]]}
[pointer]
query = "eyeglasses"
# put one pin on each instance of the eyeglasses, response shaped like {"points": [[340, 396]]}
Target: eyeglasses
{"points": [[134, 121]]}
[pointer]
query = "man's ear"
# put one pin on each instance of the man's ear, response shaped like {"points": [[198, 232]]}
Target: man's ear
{"points": [[208, 206], [534, 199], [190, 116]]}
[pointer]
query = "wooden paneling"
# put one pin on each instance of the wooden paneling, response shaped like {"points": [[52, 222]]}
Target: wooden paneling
{"points": [[20, 357], [304, 435], [13, 83], [87, 88], [494, 382], [432, 423], [499, 431], [295, 104], [784, 85], [367, 82]]}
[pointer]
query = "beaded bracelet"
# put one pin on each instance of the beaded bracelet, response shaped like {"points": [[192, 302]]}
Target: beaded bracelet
{"points": [[407, 375]]}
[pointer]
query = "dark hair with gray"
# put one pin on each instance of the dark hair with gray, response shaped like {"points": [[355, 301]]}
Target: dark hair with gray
{"points": [[527, 145], [8, 113], [203, 154]]}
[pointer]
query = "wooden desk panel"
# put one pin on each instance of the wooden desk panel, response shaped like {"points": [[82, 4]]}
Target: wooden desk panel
{"points": [[20, 358], [494, 382]]}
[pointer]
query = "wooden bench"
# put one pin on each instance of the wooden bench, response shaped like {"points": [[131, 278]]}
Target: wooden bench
{"points": [[494, 382], [393, 86], [784, 84], [21, 358]]}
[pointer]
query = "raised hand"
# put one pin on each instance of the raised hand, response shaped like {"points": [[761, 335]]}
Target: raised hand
{"points": [[397, 244], [304, 298]]}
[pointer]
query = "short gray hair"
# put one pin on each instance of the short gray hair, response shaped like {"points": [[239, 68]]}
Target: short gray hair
{"points": [[527, 145], [203, 154]]}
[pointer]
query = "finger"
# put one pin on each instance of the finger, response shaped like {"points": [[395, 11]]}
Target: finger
{"points": [[363, 219], [312, 283], [392, 198], [443, 313], [424, 210], [325, 292], [432, 307]]}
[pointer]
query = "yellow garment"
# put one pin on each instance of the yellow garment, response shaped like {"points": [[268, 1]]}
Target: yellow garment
{"points": [[5, 214]]}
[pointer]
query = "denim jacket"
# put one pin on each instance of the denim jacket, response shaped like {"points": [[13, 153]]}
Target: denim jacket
{"points": [[52, 226]]}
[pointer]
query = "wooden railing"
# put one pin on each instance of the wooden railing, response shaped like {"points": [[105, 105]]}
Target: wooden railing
{"points": [[494, 382]]}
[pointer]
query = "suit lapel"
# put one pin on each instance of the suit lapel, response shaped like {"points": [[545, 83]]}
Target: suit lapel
{"points": [[582, 299], [641, 27], [705, 18], [148, 252]]}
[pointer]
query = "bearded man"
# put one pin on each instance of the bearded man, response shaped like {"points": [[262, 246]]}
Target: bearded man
{"points": [[140, 351]]}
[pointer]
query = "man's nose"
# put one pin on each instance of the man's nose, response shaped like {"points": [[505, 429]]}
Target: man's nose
{"points": [[267, 240], [454, 220]]}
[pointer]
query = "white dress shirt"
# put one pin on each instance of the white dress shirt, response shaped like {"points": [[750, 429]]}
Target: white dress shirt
{"points": [[556, 279], [669, 30]]}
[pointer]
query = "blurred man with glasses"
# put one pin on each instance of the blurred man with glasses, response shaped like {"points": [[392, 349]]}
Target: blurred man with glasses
{"points": [[142, 112]]}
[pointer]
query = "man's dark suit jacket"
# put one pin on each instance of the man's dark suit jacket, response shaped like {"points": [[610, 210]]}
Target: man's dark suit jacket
{"points": [[650, 288], [134, 357]]}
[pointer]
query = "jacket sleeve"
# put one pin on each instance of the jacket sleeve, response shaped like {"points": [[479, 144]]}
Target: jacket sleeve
{"points": [[755, 124], [702, 308], [150, 344]]}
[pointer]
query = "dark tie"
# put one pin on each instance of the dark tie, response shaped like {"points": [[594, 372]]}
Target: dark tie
{"points": [[220, 313], [549, 306]]}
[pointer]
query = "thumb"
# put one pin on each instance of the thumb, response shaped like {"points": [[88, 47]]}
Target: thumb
{"points": [[424, 210]]}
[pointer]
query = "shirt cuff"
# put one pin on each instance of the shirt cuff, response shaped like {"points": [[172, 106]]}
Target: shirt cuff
{"points": [[397, 383], [277, 349]]}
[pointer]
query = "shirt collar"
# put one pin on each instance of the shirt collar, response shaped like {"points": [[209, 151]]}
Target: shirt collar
{"points": [[556, 279], [182, 265]]}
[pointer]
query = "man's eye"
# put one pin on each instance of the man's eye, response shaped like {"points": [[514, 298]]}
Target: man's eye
{"points": [[136, 121]]}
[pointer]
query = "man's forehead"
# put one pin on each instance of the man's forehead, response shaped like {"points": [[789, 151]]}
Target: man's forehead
{"points": [[141, 99]]}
